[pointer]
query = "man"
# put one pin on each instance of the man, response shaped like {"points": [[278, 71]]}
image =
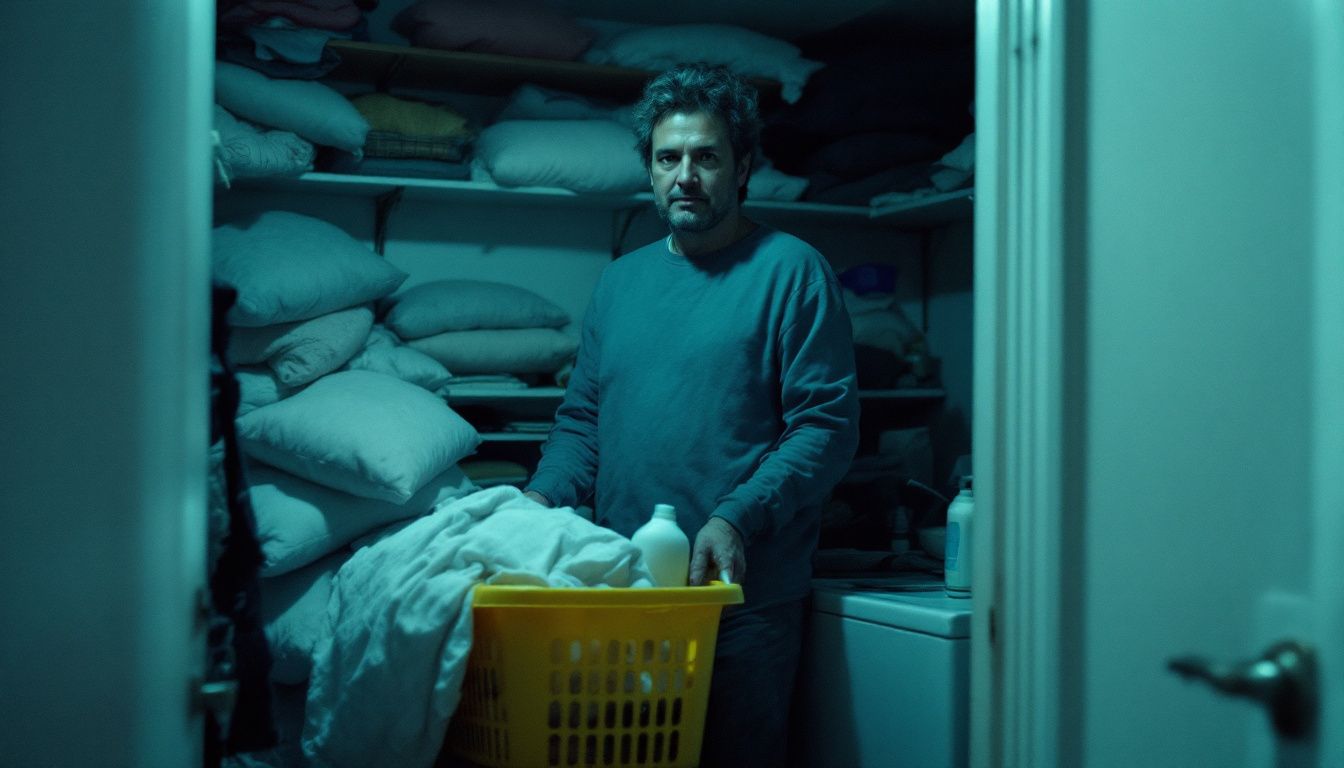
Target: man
{"points": [[715, 373]]}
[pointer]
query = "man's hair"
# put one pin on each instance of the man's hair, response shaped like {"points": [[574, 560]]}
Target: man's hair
{"points": [[705, 88]]}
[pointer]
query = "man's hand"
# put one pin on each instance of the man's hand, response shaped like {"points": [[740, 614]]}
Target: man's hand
{"points": [[537, 497], [718, 547]]}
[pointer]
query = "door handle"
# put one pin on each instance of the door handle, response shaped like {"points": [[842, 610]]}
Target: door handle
{"points": [[1283, 679]]}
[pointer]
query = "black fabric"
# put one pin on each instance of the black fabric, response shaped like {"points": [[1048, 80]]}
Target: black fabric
{"points": [[237, 643]]}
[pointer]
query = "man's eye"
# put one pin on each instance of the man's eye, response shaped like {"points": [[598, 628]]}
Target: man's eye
{"points": [[666, 161]]}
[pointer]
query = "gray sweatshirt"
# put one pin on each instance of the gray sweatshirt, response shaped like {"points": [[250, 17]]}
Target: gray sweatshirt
{"points": [[722, 385]]}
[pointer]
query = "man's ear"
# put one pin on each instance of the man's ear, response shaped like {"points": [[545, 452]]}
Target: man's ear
{"points": [[743, 171]]}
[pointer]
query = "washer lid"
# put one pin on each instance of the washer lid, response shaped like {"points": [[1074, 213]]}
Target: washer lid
{"points": [[925, 609]]}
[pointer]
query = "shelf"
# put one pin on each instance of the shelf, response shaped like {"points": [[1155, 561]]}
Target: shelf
{"points": [[442, 190], [513, 437], [928, 211], [468, 395], [901, 394], [385, 66]]}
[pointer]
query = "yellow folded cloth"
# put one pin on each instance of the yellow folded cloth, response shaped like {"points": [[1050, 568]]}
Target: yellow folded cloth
{"points": [[410, 118]]}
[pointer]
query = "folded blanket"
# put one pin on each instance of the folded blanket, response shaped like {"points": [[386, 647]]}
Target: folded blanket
{"points": [[387, 675]]}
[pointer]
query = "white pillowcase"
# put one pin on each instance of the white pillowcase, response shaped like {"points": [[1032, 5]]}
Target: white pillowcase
{"points": [[385, 353], [294, 615], [581, 155], [513, 350], [246, 151], [258, 386], [299, 522], [287, 267], [741, 50], [464, 305], [365, 433], [300, 352], [314, 111], [532, 102]]}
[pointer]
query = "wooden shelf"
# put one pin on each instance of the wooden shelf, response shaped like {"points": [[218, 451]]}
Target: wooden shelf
{"points": [[385, 66]]}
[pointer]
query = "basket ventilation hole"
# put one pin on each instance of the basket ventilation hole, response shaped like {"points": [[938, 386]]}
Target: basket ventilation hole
{"points": [[553, 750], [648, 651], [573, 751], [627, 717], [690, 651], [575, 652], [608, 749], [611, 681], [613, 651], [625, 749], [574, 714], [610, 720], [553, 718], [676, 711], [575, 682], [590, 750], [673, 741], [658, 747], [642, 750], [665, 651], [592, 714], [660, 715]]}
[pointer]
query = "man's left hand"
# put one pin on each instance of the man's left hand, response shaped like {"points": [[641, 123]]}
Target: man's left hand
{"points": [[718, 547]]}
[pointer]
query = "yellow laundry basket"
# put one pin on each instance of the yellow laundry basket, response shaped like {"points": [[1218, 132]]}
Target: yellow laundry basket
{"points": [[588, 676]]}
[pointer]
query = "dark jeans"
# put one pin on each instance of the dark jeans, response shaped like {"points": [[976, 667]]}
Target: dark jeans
{"points": [[755, 664]]}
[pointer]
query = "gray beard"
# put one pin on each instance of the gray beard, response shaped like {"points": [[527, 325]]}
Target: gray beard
{"points": [[704, 223]]}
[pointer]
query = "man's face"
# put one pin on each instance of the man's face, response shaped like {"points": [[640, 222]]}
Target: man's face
{"points": [[694, 179]]}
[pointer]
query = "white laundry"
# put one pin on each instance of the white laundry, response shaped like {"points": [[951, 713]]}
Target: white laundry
{"points": [[387, 676]]}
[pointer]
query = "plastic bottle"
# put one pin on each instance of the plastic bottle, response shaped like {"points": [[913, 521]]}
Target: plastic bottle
{"points": [[959, 542], [667, 551]]}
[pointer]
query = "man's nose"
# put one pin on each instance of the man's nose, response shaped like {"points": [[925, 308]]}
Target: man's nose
{"points": [[686, 173]]}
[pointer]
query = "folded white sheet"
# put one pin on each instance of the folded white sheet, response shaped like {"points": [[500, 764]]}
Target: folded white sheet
{"points": [[387, 677]]}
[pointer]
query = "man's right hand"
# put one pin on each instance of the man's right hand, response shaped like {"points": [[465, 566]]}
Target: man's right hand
{"points": [[537, 497]]}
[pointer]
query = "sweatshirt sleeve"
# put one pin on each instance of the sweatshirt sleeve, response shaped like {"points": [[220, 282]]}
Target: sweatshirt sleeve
{"points": [[567, 470], [820, 410]]}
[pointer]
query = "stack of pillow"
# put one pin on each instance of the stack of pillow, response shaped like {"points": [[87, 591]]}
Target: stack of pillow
{"points": [[268, 126], [342, 432], [477, 327]]}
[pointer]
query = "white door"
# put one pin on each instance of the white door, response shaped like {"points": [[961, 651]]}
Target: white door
{"points": [[1160, 376], [104, 353]]}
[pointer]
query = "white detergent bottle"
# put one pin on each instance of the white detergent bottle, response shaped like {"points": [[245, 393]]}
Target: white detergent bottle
{"points": [[667, 551], [959, 542]]}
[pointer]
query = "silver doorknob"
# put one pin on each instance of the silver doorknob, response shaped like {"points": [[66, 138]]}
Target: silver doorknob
{"points": [[1283, 679]]}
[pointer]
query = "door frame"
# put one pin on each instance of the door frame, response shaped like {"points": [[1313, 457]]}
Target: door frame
{"points": [[1027, 332], [1327, 493]]}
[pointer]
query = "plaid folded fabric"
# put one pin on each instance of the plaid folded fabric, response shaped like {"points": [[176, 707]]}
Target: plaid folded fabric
{"points": [[385, 144]]}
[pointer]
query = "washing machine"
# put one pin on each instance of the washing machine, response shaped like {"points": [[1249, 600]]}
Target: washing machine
{"points": [[885, 676]]}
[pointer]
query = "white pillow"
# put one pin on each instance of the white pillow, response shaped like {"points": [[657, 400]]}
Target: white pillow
{"points": [[532, 102], [741, 50], [246, 151], [294, 615], [365, 433], [385, 353], [464, 305], [314, 111], [302, 351], [299, 522], [513, 350], [582, 155], [258, 386], [287, 266]]}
